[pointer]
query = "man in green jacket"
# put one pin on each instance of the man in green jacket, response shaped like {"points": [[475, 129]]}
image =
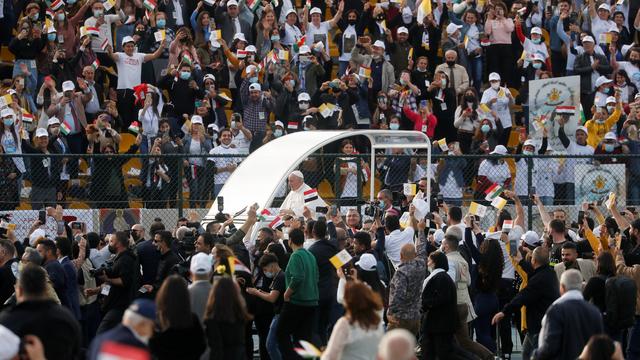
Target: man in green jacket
{"points": [[300, 298]]}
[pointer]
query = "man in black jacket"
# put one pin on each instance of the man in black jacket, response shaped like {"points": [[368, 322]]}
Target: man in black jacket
{"points": [[36, 315], [541, 291], [168, 259], [569, 322], [585, 65], [45, 170]]}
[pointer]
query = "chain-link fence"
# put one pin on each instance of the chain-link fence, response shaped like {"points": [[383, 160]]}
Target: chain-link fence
{"points": [[145, 187]]}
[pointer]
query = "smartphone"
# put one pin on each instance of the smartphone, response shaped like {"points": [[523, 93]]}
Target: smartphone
{"points": [[42, 216], [580, 217], [142, 290], [198, 103], [77, 225], [533, 193], [322, 209], [440, 200], [220, 203], [513, 247], [334, 210]]}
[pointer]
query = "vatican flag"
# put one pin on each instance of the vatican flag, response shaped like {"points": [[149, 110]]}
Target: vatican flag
{"points": [[423, 10]]}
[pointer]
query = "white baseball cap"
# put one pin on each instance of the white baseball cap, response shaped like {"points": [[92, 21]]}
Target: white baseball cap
{"points": [[380, 44], [402, 30], [537, 57], [604, 6], [68, 86], [209, 77], [239, 36], [291, 11], [499, 150], [451, 28], [315, 10], [610, 136], [610, 99], [304, 49], [255, 87], [42, 132], [588, 39], [304, 97], [232, 3], [494, 76], [201, 263], [583, 129], [251, 68], [6, 112], [438, 236], [251, 48], [536, 30], [602, 80], [279, 123], [196, 119], [53, 121], [529, 142], [127, 39], [531, 238], [614, 29], [367, 262], [214, 127]]}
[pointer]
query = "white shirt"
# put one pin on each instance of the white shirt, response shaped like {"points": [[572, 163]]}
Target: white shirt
{"points": [[631, 70], [241, 142], [532, 48], [220, 162], [349, 39], [177, 13], [320, 33], [497, 173], [501, 106], [291, 34], [567, 172], [295, 201], [394, 242], [508, 272], [129, 70], [599, 27], [104, 29]]}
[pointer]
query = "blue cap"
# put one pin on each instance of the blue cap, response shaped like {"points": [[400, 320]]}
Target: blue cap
{"points": [[144, 307]]}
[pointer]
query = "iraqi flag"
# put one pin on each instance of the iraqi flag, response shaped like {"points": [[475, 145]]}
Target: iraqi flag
{"points": [[493, 191], [568, 110], [310, 195], [57, 5], [134, 127], [150, 4], [292, 125], [277, 223], [95, 65], [93, 31]]}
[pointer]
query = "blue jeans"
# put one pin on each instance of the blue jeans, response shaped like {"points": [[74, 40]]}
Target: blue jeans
{"points": [[272, 340], [633, 349], [475, 70], [486, 306]]}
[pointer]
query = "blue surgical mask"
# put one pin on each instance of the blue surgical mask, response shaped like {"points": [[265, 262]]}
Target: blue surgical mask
{"points": [[60, 17], [527, 152], [394, 126], [292, 82], [609, 147], [382, 204], [71, 2], [35, 17], [51, 36], [97, 13], [536, 41], [253, 80], [268, 274], [185, 75], [537, 65], [610, 109], [161, 23], [7, 121], [278, 132], [275, 38], [485, 128]]}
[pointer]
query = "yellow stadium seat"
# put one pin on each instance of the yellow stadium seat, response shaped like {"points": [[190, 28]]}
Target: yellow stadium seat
{"points": [[6, 55], [325, 190], [79, 205], [24, 205], [135, 204], [126, 140]]}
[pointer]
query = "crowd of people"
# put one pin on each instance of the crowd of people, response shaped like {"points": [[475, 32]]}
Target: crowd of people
{"points": [[222, 78], [435, 285]]}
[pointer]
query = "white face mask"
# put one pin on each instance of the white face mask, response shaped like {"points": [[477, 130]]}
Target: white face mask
{"points": [[495, 86], [303, 106]]}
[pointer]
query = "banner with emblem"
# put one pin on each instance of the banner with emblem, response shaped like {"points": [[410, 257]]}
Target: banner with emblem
{"points": [[546, 96], [593, 183]]}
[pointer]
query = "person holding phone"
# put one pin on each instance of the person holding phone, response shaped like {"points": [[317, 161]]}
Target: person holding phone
{"points": [[26, 46]]}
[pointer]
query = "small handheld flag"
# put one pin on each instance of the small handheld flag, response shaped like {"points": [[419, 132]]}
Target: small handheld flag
{"points": [[134, 127], [340, 259], [65, 128], [493, 191], [498, 203], [310, 195], [477, 209], [277, 223]]}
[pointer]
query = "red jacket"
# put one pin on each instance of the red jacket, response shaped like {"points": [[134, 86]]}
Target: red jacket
{"points": [[419, 122]]}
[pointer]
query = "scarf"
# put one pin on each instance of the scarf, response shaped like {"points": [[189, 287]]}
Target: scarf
{"points": [[433, 273]]}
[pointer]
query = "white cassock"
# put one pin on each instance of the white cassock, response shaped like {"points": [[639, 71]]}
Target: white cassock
{"points": [[295, 201]]}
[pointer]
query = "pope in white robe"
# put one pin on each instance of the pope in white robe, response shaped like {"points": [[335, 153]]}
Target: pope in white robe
{"points": [[295, 200]]}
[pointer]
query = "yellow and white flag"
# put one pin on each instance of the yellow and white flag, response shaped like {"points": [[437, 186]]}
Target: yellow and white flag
{"points": [[340, 259], [423, 10], [477, 209]]}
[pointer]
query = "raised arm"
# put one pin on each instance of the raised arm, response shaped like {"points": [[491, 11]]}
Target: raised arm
{"points": [[156, 54], [544, 215], [334, 22]]}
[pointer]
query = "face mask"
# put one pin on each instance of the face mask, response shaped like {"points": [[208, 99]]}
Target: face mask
{"points": [[268, 274], [234, 124], [35, 16], [382, 101], [394, 126], [485, 128], [97, 13], [112, 249], [469, 98], [450, 63], [495, 86], [609, 147], [536, 41], [277, 133], [253, 80], [291, 83], [185, 75], [51, 37], [303, 106], [444, 82], [71, 2], [60, 16], [607, 90], [422, 70], [214, 136], [161, 23], [275, 38], [610, 109], [407, 18], [353, 22], [470, 105], [537, 65], [7, 121], [430, 268], [527, 152], [382, 204]]}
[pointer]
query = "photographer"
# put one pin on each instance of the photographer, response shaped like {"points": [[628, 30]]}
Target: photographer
{"points": [[120, 281], [168, 259], [235, 240]]}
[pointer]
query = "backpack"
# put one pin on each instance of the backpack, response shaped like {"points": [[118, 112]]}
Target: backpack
{"points": [[620, 302]]}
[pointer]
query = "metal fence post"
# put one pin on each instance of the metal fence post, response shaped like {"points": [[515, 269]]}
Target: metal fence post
{"points": [[180, 186], [529, 184]]}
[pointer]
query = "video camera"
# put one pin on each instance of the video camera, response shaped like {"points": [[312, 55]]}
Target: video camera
{"points": [[107, 266], [372, 209]]}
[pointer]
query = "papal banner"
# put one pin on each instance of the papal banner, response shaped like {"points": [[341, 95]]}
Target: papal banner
{"points": [[549, 99], [595, 182]]}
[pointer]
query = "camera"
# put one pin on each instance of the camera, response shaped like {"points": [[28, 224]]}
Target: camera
{"points": [[372, 209], [107, 266]]}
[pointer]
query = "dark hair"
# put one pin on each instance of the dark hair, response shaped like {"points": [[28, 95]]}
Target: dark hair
{"points": [[209, 239], [606, 264], [363, 238], [296, 236], [392, 223], [267, 230], [64, 245], [320, 228], [48, 245], [165, 237], [439, 260], [455, 213], [452, 241], [123, 238], [362, 305], [502, 216], [599, 347], [490, 266], [636, 224], [174, 306], [155, 227], [225, 303], [557, 226], [8, 247], [267, 259], [569, 245], [93, 239], [33, 280]]}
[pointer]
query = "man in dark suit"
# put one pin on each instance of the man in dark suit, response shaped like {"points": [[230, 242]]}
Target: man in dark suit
{"points": [[541, 291], [71, 275], [230, 22], [589, 66], [47, 249], [439, 311], [177, 12], [134, 331], [148, 254]]}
